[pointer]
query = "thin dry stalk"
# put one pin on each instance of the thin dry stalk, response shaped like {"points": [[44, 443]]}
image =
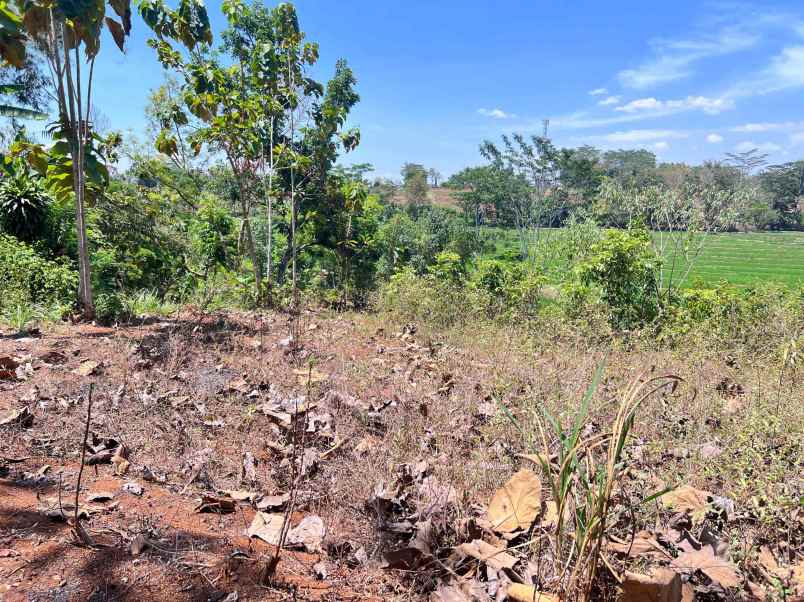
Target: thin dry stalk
{"points": [[80, 532]]}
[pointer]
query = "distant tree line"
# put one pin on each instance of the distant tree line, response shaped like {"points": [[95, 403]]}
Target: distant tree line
{"points": [[529, 182]]}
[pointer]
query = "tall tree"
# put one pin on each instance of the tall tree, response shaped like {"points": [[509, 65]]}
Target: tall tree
{"points": [[62, 29], [414, 183], [785, 185]]}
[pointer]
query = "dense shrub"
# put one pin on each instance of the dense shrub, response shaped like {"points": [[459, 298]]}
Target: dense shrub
{"points": [[28, 278], [23, 201], [623, 267]]}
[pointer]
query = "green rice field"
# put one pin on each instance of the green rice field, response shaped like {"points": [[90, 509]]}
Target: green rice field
{"points": [[737, 258]]}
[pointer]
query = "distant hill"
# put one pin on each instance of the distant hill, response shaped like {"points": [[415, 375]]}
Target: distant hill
{"points": [[443, 197]]}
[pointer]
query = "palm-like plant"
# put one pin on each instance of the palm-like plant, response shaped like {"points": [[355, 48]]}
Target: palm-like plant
{"points": [[23, 201]]}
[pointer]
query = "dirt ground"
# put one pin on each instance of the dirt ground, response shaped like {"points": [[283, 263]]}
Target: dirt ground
{"points": [[227, 406]]}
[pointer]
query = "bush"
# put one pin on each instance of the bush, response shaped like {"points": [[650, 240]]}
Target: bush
{"points": [[28, 278], [507, 291], [448, 267], [425, 298], [23, 201], [624, 268], [108, 307]]}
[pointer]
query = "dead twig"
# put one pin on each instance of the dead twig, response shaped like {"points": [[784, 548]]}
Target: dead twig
{"points": [[80, 532]]}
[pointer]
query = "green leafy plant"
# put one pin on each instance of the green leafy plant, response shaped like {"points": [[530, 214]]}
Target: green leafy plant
{"points": [[624, 267], [20, 316], [27, 277], [23, 200], [583, 475]]}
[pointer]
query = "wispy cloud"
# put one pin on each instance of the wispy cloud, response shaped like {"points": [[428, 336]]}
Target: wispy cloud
{"points": [[598, 92], [674, 59], [711, 106], [765, 147], [714, 138], [495, 113], [785, 71], [637, 136], [661, 145], [768, 126], [609, 100]]}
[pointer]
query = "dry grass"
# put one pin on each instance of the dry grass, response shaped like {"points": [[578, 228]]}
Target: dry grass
{"points": [[423, 398]]}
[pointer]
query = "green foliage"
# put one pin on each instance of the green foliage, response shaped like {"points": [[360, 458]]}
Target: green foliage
{"points": [[624, 267], [507, 291], [28, 278], [414, 183], [108, 307], [785, 185], [448, 267], [212, 237], [23, 200], [144, 303]]}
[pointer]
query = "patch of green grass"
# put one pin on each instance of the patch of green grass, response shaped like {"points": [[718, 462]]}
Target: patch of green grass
{"points": [[737, 258]]}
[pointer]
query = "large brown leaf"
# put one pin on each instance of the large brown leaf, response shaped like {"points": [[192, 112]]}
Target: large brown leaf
{"points": [[495, 557], [662, 585], [688, 499], [717, 568], [517, 504], [528, 593]]}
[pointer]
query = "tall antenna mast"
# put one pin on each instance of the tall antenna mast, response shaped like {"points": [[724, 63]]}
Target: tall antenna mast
{"points": [[546, 124]]}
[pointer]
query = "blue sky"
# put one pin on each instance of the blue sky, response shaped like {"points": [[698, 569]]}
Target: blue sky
{"points": [[688, 80]]}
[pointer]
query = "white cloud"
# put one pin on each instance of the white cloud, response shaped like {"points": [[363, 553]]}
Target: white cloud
{"points": [[757, 127], [785, 71], [598, 92], [711, 106], [768, 126], [609, 100], [765, 147], [674, 59], [635, 136], [641, 104], [788, 67], [495, 113], [661, 145], [714, 138]]}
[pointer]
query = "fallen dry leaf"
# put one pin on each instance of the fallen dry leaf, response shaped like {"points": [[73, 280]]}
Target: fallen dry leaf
{"points": [[21, 417], [517, 504], [550, 518], [8, 367], [495, 557], [687, 499], [643, 544], [768, 562], [273, 502], [139, 544], [717, 568], [662, 585], [214, 503], [314, 375], [309, 533], [528, 593], [241, 495], [87, 368], [267, 527]]}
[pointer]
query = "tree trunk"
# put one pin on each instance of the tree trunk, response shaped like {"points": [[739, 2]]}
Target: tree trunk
{"points": [[77, 156]]}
